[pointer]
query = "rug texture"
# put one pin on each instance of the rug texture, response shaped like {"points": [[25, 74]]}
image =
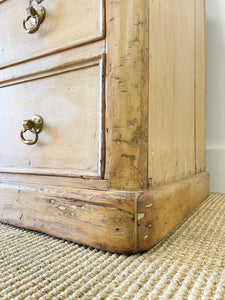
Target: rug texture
{"points": [[188, 264]]}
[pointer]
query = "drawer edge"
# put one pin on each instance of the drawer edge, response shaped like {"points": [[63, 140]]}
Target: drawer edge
{"points": [[71, 59], [75, 182]]}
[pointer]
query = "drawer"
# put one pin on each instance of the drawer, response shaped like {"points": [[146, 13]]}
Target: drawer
{"points": [[66, 24], [70, 142]]}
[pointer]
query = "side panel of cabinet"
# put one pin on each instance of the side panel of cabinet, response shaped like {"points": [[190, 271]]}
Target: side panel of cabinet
{"points": [[171, 90]]}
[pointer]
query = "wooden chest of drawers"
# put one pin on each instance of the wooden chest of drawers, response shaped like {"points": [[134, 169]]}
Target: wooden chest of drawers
{"points": [[102, 118]]}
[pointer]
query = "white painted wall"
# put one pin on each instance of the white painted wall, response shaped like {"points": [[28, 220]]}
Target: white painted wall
{"points": [[215, 140]]}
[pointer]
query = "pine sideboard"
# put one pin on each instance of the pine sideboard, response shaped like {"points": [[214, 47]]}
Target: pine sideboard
{"points": [[102, 118]]}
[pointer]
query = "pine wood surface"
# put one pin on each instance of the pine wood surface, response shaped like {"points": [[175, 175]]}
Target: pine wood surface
{"points": [[75, 182], [126, 94], [66, 24], [99, 219], [121, 88], [160, 209], [74, 58], [171, 90], [125, 222], [200, 113], [64, 101]]}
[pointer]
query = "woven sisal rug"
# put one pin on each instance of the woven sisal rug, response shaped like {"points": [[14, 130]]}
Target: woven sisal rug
{"points": [[189, 264]]}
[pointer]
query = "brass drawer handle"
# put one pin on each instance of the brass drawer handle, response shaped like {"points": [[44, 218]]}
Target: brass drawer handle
{"points": [[35, 16], [34, 125]]}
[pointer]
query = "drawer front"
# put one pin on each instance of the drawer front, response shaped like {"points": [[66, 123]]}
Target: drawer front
{"points": [[66, 24], [70, 142]]}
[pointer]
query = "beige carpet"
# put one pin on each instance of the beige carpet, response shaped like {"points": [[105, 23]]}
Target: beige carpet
{"points": [[189, 264]]}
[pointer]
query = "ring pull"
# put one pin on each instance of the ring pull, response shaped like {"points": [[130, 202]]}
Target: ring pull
{"points": [[33, 125], [35, 16]]}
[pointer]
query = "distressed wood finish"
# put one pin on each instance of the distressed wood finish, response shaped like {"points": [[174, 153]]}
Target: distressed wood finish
{"points": [[124, 119], [200, 114], [75, 58], [103, 220], [171, 90], [164, 207], [82, 183], [126, 93], [124, 222], [64, 101], [66, 24]]}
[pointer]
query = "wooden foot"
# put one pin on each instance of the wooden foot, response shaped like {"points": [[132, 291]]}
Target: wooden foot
{"points": [[161, 209]]}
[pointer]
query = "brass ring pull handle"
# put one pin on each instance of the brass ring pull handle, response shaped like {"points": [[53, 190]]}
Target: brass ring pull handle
{"points": [[35, 18], [33, 125], [29, 142]]}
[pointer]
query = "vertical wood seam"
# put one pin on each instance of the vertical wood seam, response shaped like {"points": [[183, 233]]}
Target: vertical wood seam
{"points": [[103, 125], [200, 106], [195, 91], [205, 75], [136, 201], [148, 102], [137, 210]]}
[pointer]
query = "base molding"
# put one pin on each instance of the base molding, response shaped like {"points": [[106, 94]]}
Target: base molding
{"points": [[163, 208], [123, 222]]}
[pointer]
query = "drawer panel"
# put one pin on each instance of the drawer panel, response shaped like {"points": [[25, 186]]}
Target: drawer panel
{"points": [[70, 142], [66, 24]]}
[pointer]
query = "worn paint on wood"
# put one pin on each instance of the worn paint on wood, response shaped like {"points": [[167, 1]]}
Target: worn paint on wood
{"points": [[150, 130], [71, 104], [67, 24]]}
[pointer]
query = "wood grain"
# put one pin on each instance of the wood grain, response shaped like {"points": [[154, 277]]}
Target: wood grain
{"points": [[123, 222], [123, 116], [67, 24], [200, 113], [82, 183], [126, 93], [164, 207], [171, 90], [103, 220]]}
